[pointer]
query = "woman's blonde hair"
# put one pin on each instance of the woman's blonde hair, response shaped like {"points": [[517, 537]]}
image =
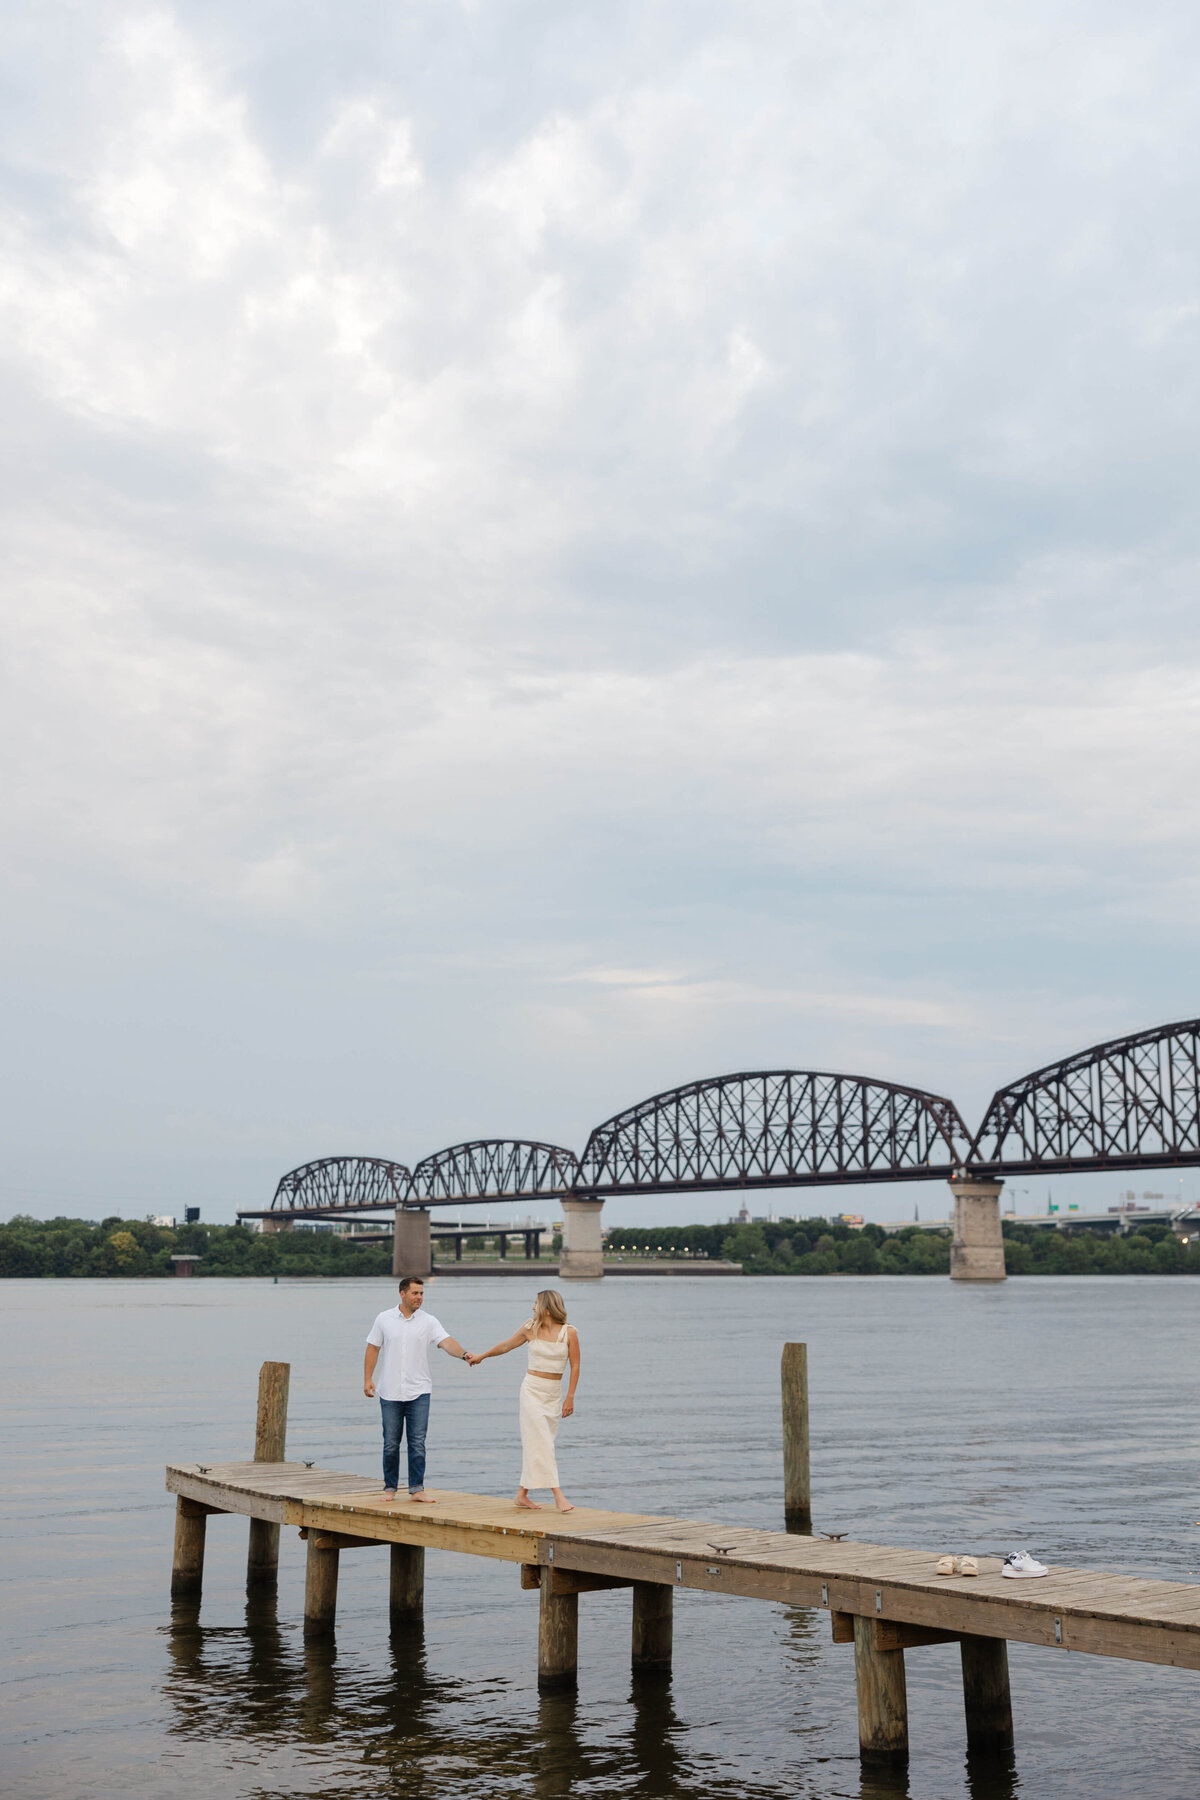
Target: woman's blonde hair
{"points": [[550, 1305]]}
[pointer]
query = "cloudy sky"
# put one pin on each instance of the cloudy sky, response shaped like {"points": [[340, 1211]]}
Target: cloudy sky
{"points": [[554, 549]]}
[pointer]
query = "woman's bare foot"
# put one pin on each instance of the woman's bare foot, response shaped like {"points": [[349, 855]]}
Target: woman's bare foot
{"points": [[523, 1499], [561, 1501], [423, 1499]]}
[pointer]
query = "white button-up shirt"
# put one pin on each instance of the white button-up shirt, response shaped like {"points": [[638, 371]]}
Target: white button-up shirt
{"points": [[402, 1369]]}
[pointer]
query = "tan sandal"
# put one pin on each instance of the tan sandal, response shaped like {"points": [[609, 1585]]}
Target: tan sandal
{"points": [[967, 1565], [947, 1565]]}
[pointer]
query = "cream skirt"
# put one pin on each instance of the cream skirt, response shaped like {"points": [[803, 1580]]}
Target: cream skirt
{"points": [[541, 1409]]}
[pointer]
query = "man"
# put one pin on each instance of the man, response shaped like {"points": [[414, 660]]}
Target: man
{"points": [[398, 1346]]}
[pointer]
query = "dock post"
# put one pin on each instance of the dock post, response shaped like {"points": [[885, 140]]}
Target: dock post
{"points": [[270, 1445], [882, 1698], [797, 1484], [653, 1621], [408, 1582], [320, 1590], [558, 1636], [187, 1566], [986, 1694]]}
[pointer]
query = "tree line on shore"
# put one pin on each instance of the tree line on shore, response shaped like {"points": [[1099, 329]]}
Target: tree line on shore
{"points": [[830, 1247], [137, 1247], [133, 1247]]}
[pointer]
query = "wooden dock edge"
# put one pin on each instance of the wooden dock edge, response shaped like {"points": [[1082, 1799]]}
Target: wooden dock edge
{"points": [[1017, 1615], [955, 1612]]}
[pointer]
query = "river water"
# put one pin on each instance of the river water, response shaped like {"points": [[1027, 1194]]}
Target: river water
{"points": [[1054, 1414]]}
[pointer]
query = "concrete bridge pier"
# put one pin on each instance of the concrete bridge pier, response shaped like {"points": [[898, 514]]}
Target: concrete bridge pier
{"points": [[977, 1252], [582, 1256], [411, 1252]]}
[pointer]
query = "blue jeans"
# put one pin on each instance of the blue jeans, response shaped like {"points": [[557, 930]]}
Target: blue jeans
{"points": [[398, 1416]]}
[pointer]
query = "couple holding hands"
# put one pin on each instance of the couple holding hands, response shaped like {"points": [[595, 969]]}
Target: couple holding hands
{"points": [[396, 1369]]}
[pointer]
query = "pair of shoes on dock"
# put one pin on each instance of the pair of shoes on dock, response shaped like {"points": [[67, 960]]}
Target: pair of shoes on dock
{"points": [[957, 1565], [1018, 1566]]}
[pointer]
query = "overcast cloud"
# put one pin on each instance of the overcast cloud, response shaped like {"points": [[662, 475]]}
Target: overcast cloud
{"points": [[553, 550]]}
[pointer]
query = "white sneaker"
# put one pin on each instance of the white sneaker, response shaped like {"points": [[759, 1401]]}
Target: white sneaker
{"points": [[1020, 1565]]}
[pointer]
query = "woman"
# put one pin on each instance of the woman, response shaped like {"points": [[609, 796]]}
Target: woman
{"points": [[552, 1345]]}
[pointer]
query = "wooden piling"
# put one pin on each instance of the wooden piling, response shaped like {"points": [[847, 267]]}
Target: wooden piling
{"points": [[653, 1624], [187, 1566], [882, 1698], [408, 1582], [320, 1590], [558, 1636], [270, 1445], [986, 1694], [797, 1487]]}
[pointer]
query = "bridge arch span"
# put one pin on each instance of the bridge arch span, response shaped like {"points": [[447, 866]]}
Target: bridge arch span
{"points": [[774, 1128], [342, 1181], [1130, 1103], [493, 1169]]}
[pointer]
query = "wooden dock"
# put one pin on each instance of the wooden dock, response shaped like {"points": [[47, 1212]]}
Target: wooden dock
{"points": [[882, 1600]]}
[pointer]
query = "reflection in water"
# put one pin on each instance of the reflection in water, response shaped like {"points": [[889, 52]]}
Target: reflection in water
{"points": [[641, 1759], [881, 1782], [267, 1667], [404, 1733], [397, 1730], [317, 1692], [209, 1673], [654, 1741], [559, 1760], [389, 1730], [993, 1777]]}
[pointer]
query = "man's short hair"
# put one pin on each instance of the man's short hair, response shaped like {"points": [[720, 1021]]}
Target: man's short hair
{"points": [[411, 1281]]}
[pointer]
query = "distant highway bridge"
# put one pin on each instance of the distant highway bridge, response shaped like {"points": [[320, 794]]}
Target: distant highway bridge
{"points": [[1129, 1103]]}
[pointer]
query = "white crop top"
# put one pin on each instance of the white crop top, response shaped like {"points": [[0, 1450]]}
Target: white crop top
{"points": [[548, 1358]]}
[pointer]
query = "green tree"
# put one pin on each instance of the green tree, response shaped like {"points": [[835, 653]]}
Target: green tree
{"points": [[859, 1257], [1168, 1256], [745, 1244], [126, 1250], [818, 1262]]}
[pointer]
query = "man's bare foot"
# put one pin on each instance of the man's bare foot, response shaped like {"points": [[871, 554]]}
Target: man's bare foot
{"points": [[389, 1493], [423, 1499]]}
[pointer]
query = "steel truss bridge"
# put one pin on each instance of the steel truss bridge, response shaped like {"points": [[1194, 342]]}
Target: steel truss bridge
{"points": [[1131, 1103]]}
